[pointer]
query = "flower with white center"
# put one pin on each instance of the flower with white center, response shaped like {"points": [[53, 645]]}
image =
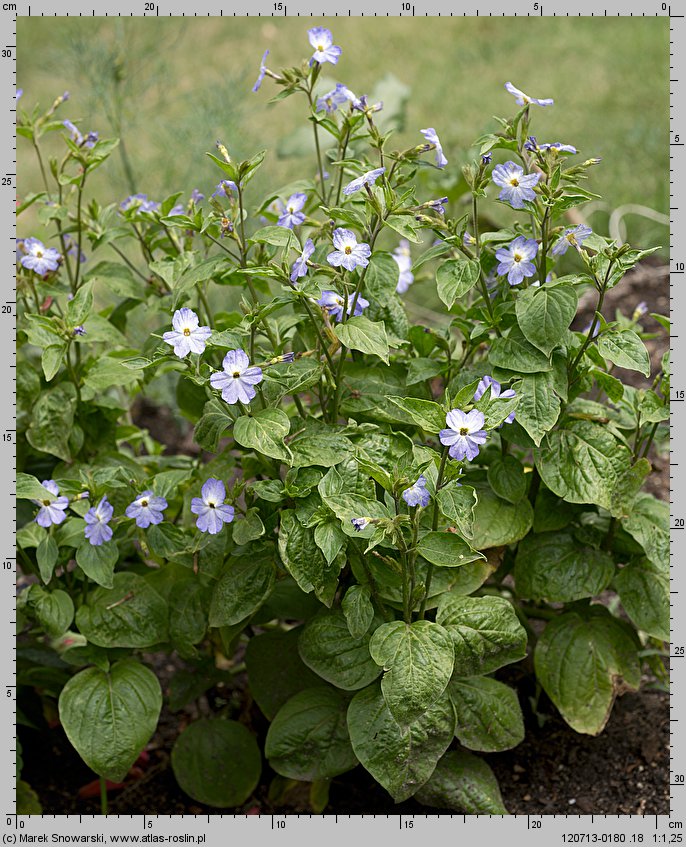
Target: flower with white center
{"points": [[210, 508], [559, 147], [574, 237], [362, 104], [368, 178], [299, 267], [348, 253], [516, 185], [464, 433], [417, 495], [290, 214], [97, 519], [187, 336], [432, 138], [338, 96], [324, 48], [334, 304], [403, 260], [360, 523], [496, 393], [522, 99], [39, 258], [238, 379], [147, 509], [51, 511], [516, 259]]}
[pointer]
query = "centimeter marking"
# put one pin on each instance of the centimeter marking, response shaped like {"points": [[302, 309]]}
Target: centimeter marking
{"points": [[306, 828]]}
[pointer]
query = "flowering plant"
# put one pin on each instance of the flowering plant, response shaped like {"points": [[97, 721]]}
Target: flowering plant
{"points": [[377, 516]]}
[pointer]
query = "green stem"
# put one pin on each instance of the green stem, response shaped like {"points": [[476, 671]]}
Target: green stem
{"points": [[649, 441], [130, 264], [79, 238], [319, 152], [434, 527], [342, 153]]}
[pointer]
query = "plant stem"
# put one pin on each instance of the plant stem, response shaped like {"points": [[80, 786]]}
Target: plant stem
{"points": [[434, 527], [319, 152], [103, 796], [482, 282], [342, 153], [79, 239], [130, 264]]}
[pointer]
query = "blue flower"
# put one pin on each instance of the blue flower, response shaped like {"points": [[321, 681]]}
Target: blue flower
{"points": [[361, 104], [432, 138], [197, 196], [39, 258], [263, 71], [516, 259], [464, 434], [78, 330], [72, 248], [238, 378], [417, 495], [139, 202], [19, 93], [468, 240], [575, 236], [517, 186], [187, 335], [81, 141], [436, 205], [360, 523], [368, 178], [496, 392], [210, 509], [299, 267], [531, 144], [147, 509], [522, 99], [561, 148], [324, 48], [338, 96], [334, 304], [640, 310], [222, 190], [97, 519], [487, 158], [290, 214], [403, 259], [51, 511], [348, 253]]}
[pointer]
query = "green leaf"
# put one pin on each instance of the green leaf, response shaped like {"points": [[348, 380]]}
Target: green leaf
{"points": [[582, 463], [418, 661], [497, 522], [643, 588], [110, 716], [626, 350], [98, 561], [277, 236], [358, 610], [555, 567], [130, 614], [648, 524], [446, 550], [404, 225], [79, 307], [51, 360], [421, 369], [264, 432], [54, 610], [544, 315], [465, 783], [28, 488], [320, 448], [349, 506], [305, 561], [327, 647], [507, 478], [213, 424], [515, 353], [489, 717], [308, 739], [330, 539], [600, 660], [485, 630], [28, 802], [241, 590], [248, 528], [190, 278], [188, 612], [217, 762], [457, 503], [381, 278], [364, 335], [455, 278], [106, 372], [52, 420], [539, 404], [401, 759], [46, 556], [425, 413]]}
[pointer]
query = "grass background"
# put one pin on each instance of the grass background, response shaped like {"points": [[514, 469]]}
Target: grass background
{"points": [[171, 87]]}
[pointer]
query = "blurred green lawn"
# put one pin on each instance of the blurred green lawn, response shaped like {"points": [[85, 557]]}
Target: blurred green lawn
{"points": [[176, 85]]}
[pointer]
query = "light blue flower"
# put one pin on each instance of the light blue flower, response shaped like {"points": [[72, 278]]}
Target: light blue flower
{"points": [[348, 253], [51, 511], [222, 190], [187, 336], [417, 495], [299, 267], [147, 509], [210, 508], [496, 392], [464, 434], [362, 104], [574, 236], [290, 214], [516, 259], [360, 523], [522, 99], [263, 71], [338, 96], [97, 519], [238, 378], [561, 148], [39, 258], [368, 178], [324, 48], [432, 138], [334, 304], [19, 93], [197, 196], [403, 259], [140, 202], [516, 185], [640, 310]]}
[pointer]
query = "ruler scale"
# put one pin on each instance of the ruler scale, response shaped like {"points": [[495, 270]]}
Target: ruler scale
{"points": [[220, 829]]}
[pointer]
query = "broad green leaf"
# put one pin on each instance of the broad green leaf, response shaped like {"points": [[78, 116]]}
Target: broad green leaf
{"points": [[28, 488], [555, 567], [507, 478], [515, 353], [330, 538], [248, 528], [457, 503], [52, 419], [28, 802], [54, 610], [418, 661], [381, 278], [130, 614], [364, 335], [51, 360], [277, 236], [217, 762], [401, 759], [320, 448], [544, 315], [600, 660], [425, 413], [489, 717], [110, 716], [648, 523], [446, 549], [264, 432], [421, 369], [78, 308], [455, 278], [241, 590], [497, 522], [465, 783], [485, 630], [46, 557], [107, 372], [190, 278], [98, 561], [327, 647], [213, 424], [308, 739], [406, 226], [625, 349], [539, 404], [304, 560], [643, 588], [349, 506], [582, 463], [358, 610], [189, 601]]}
